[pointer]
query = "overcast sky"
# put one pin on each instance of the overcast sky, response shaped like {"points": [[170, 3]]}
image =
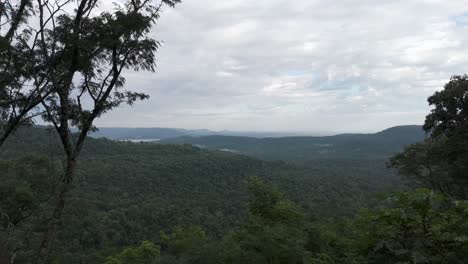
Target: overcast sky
{"points": [[303, 65]]}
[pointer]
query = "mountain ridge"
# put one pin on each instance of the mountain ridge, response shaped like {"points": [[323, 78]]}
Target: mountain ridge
{"points": [[382, 144], [148, 133]]}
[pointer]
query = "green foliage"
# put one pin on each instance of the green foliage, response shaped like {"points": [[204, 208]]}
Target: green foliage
{"points": [[190, 245], [182, 240], [424, 164], [414, 227], [25, 185], [268, 205], [410, 227], [275, 230], [450, 114], [439, 162], [146, 253]]}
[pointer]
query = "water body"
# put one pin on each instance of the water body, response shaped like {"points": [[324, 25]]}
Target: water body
{"points": [[141, 140]]}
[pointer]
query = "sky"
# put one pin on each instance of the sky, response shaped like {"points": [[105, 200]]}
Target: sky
{"points": [[303, 65]]}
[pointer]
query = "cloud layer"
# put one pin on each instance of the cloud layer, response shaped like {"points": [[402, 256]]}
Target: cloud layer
{"points": [[305, 65]]}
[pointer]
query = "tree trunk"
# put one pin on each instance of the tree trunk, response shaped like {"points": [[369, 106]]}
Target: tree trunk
{"points": [[49, 234], [11, 125], [7, 131], [4, 137], [4, 258]]}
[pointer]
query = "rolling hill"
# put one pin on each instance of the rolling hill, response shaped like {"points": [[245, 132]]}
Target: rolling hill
{"points": [[128, 192], [157, 133], [380, 145]]}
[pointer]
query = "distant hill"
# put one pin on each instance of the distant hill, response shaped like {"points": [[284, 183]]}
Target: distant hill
{"points": [[122, 133], [157, 133], [380, 145]]}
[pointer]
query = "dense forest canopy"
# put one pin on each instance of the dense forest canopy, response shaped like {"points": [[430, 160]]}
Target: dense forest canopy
{"points": [[148, 188]]}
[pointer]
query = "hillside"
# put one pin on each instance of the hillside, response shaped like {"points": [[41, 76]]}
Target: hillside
{"points": [[198, 176], [156, 133], [121, 133], [128, 192], [307, 149]]}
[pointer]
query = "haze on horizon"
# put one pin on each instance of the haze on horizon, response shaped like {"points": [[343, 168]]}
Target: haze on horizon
{"points": [[305, 65]]}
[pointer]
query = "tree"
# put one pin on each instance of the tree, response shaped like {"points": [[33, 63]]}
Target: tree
{"points": [[190, 245], [146, 253], [77, 54], [26, 187], [424, 165], [439, 162], [17, 99], [449, 117], [414, 227], [275, 230]]}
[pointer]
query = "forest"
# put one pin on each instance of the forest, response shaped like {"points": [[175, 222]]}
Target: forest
{"points": [[163, 203], [177, 186], [396, 196]]}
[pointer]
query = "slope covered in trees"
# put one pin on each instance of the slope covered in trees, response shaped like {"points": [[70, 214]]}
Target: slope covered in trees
{"points": [[155, 133], [129, 192], [409, 227], [304, 149]]}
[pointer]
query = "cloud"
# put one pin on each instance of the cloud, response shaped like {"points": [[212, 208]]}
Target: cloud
{"points": [[351, 65]]}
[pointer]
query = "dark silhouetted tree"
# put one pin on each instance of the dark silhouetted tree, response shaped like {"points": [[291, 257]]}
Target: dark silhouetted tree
{"points": [[67, 66], [421, 226], [17, 64], [440, 162]]}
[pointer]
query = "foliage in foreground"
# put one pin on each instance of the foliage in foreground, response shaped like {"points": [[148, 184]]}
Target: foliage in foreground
{"points": [[414, 227], [410, 227]]}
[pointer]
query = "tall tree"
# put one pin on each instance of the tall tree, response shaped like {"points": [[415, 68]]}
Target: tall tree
{"points": [[26, 62], [449, 118], [14, 69], [76, 54], [440, 161]]}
